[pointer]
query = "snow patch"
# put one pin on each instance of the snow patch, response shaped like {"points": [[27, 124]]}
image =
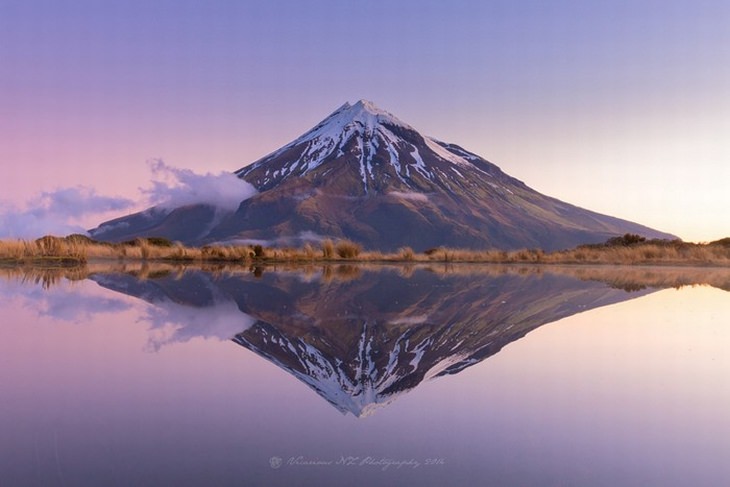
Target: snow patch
{"points": [[420, 165], [445, 154]]}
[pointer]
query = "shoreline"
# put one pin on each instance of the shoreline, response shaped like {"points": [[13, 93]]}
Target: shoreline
{"points": [[72, 264], [78, 250], [627, 277]]}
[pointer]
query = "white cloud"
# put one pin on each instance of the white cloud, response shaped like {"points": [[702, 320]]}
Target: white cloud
{"points": [[57, 212], [173, 187], [64, 211], [409, 196]]}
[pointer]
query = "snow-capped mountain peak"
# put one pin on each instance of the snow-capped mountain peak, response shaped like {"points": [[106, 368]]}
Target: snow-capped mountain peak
{"points": [[388, 153], [365, 175], [364, 117], [368, 115]]}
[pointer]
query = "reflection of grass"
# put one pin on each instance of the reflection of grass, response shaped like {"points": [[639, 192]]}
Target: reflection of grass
{"points": [[626, 250], [628, 278], [46, 275]]}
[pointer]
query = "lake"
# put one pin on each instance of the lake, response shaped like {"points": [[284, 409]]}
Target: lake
{"points": [[365, 375]]}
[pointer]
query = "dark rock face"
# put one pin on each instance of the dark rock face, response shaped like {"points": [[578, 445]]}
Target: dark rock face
{"points": [[363, 174]]}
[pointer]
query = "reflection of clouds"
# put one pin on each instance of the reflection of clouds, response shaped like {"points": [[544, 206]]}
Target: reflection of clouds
{"points": [[77, 307], [68, 302], [180, 309], [168, 322], [171, 322], [56, 212]]}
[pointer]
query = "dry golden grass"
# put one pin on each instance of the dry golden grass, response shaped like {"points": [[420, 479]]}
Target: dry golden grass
{"points": [[76, 250], [328, 249], [49, 249], [347, 249]]}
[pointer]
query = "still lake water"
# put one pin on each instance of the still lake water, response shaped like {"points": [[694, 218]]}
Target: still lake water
{"points": [[366, 376]]}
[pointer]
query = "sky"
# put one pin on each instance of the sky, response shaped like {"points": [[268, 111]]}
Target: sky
{"points": [[621, 107]]}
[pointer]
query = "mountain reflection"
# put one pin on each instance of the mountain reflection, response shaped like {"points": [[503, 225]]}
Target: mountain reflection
{"points": [[362, 336]]}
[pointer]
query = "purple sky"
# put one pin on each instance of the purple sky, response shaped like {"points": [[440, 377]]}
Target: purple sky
{"points": [[618, 106]]}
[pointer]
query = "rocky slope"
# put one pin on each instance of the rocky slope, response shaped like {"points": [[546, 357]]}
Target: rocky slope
{"points": [[364, 175]]}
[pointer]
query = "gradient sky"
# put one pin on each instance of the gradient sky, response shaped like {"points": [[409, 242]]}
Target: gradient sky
{"points": [[622, 107]]}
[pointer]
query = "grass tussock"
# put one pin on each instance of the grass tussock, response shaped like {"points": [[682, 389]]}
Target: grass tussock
{"points": [[328, 249], [347, 249]]}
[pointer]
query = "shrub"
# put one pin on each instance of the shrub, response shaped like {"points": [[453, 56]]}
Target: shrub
{"points": [[80, 239], [180, 253], [347, 249], [626, 240], [580, 255], [49, 246], [214, 253], [723, 242], [144, 248], [650, 253], [258, 251], [159, 241], [328, 249], [308, 251], [406, 253]]}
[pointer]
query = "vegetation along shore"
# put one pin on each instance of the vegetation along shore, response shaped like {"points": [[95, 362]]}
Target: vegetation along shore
{"points": [[628, 249]]}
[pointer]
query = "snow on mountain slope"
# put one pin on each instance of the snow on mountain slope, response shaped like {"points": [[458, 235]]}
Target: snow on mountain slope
{"points": [[365, 175], [378, 137]]}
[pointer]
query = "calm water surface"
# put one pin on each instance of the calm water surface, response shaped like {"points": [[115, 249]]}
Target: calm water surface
{"points": [[365, 376]]}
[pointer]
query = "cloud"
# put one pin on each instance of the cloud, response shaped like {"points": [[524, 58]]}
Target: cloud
{"points": [[168, 322], [409, 196], [173, 187], [56, 212], [64, 211]]}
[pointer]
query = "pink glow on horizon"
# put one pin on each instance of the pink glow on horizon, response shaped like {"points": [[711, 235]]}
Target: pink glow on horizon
{"points": [[618, 107]]}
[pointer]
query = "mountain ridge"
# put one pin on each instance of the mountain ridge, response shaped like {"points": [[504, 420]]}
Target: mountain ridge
{"points": [[365, 175]]}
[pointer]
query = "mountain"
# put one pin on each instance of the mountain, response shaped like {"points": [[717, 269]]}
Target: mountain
{"points": [[365, 175], [362, 338]]}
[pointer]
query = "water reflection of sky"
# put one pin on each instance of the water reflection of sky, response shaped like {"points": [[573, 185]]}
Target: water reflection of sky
{"points": [[630, 394]]}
